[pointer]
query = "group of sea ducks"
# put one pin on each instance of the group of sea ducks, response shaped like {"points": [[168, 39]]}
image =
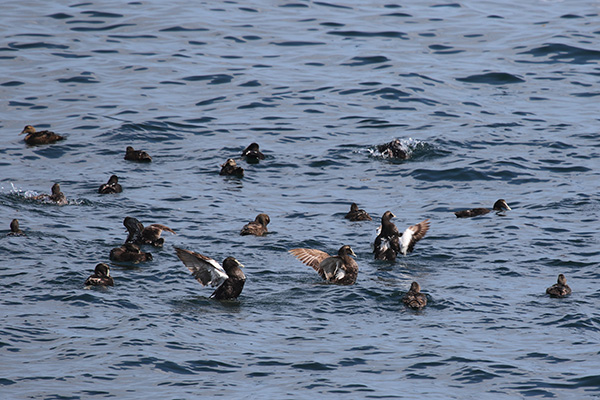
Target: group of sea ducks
{"points": [[228, 278]]}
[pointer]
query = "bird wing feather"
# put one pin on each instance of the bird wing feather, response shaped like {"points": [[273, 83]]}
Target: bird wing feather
{"points": [[310, 257], [206, 270]]}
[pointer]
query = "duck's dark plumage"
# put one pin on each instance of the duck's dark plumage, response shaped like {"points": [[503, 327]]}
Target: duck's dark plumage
{"points": [[137, 155], [356, 214], [42, 137], [129, 252], [138, 234], [14, 228], [228, 278], [230, 167], [390, 242], [393, 149], [257, 227], [112, 186], [414, 298], [560, 288], [340, 269], [253, 153], [57, 196], [499, 206], [100, 277]]}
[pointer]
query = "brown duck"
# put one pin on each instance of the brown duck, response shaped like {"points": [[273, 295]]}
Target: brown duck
{"points": [[56, 197], [129, 252], [258, 227], [356, 214], [112, 186], [140, 235], [229, 278], [499, 206], [100, 277], [560, 288], [42, 137], [137, 155], [414, 298], [390, 242], [14, 228], [252, 153], [340, 269], [231, 168]]}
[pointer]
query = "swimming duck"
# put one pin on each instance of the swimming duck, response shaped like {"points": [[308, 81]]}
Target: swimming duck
{"points": [[560, 288], [57, 196], [499, 206], [414, 298], [231, 168], [257, 227], [14, 228], [355, 214], [228, 278], [390, 242], [100, 277], [112, 186], [137, 155], [393, 149], [252, 153], [42, 137], [340, 269], [129, 252], [138, 234]]}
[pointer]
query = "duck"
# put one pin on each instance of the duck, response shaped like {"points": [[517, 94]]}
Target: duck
{"points": [[138, 234], [231, 168], [390, 242], [129, 252], [340, 269], [100, 277], [14, 228], [112, 186], [560, 288], [137, 155], [393, 149], [228, 278], [356, 214], [414, 298], [42, 137], [56, 197], [258, 227], [252, 153], [499, 206]]}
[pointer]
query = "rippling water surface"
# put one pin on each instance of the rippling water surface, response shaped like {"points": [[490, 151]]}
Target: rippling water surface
{"points": [[492, 99]]}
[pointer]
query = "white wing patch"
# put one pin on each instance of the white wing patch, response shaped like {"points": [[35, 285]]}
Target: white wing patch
{"points": [[206, 270], [405, 240]]}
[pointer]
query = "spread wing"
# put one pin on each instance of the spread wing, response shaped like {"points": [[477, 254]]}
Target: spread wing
{"points": [[412, 235], [206, 270], [158, 228], [310, 257]]}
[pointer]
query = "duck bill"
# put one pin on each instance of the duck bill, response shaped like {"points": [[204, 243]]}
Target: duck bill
{"points": [[22, 132]]}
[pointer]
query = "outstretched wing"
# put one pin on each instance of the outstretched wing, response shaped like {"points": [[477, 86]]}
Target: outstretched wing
{"points": [[412, 235], [135, 229], [158, 228], [310, 257], [206, 270]]}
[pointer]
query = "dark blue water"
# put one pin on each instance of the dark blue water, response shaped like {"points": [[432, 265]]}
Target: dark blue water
{"points": [[493, 100]]}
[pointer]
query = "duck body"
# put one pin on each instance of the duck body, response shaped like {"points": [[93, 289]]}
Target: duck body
{"points": [[499, 206], [100, 277], [252, 153], [414, 298], [356, 214], [14, 228], [258, 227], [112, 186], [340, 269], [56, 197], [230, 168], [137, 155], [228, 278], [560, 288], [34, 137], [393, 149], [129, 252], [139, 235], [389, 242]]}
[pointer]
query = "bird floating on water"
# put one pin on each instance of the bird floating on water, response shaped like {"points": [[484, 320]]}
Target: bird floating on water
{"points": [[112, 186], [137, 155], [56, 197], [390, 242], [138, 234], [34, 137], [14, 228], [340, 269], [258, 227], [414, 298], [560, 288], [100, 277], [231, 168], [228, 278], [499, 206], [356, 214], [129, 252], [252, 153]]}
